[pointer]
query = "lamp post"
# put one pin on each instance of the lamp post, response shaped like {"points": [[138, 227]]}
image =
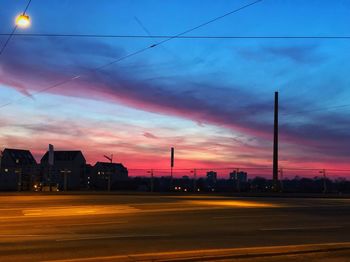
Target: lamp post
{"points": [[109, 172], [194, 171], [152, 182], [19, 175], [323, 172], [65, 172]]}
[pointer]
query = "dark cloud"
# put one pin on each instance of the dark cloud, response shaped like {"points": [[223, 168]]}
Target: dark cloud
{"points": [[150, 135], [300, 54]]}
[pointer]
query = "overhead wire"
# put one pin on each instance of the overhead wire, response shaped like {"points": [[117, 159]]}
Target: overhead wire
{"points": [[169, 36]]}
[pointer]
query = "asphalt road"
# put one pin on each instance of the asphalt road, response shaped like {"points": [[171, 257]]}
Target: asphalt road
{"points": [[57, 227]]}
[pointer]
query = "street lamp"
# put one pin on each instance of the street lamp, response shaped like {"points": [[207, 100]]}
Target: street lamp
{"points": [[152, 182], [23, 21]]}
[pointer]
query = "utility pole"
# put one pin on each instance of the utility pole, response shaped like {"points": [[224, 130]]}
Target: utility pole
{"points": [[172, 152], [280, 171], [51, 158], [275, 145]]}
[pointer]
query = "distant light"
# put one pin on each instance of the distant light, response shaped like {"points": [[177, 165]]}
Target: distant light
{"points": [[23, 21]]}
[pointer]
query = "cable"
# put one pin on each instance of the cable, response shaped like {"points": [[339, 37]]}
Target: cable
{"points": [[25, 10], [168, 36], [315, 110], [138, 51], [13, 31], [242, 169], [8, 40], [209, 22]]}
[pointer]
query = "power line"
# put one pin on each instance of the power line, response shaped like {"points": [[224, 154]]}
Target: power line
{"points": [[140, 50], [13, 31], [345, 37], [315, 110], [8, 40], [242, 168]]}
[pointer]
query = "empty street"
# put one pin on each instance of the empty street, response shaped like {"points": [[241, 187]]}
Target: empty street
{"points": [[73, 227]]}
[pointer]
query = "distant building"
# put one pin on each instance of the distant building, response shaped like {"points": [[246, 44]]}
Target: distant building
{"points": [[66, 163], [108, 175], [212, 176], [18, 169], [239, 179], [211, 180], [239, 176]]}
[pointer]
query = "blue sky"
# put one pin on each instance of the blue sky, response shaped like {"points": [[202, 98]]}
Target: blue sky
{"points": [[210, 98]]}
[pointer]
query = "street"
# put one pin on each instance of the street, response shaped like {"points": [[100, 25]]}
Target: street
{"points": [[42, 227]]}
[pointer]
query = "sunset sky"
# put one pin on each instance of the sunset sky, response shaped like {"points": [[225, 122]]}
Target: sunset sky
{"points": [[212, 99]]}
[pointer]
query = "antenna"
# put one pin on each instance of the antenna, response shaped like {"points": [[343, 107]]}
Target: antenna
{"points": [[110, 158]]}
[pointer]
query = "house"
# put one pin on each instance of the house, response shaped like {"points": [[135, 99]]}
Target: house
{"points": [[67, 172], [106, 176], [18, 169]]}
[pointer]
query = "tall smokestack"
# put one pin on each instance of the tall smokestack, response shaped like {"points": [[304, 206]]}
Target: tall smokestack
{"points": [[275, 144]]}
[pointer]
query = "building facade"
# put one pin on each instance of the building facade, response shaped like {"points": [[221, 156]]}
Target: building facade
{"points": [[107, 176], [67, 171], [18, 170]]}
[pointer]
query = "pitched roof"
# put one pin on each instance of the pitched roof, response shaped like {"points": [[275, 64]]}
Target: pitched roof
{"points": [[109, 165], [63, 155], [21, 156]]}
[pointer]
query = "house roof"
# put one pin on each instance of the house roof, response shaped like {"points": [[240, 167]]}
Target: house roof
{"points": [[109, 165], [23, 157], [63, 155]]}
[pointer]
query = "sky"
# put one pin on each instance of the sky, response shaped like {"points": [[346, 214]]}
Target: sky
{"points": [[211, 99]]}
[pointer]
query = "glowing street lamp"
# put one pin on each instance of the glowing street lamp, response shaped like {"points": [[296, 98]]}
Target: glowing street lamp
{"points": [[23, 21]]}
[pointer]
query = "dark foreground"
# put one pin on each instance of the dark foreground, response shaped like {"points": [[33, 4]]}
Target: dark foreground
{"points": [[59, 227]]}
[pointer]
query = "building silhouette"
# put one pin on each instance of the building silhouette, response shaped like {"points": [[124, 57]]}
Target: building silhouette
{"points": [[66, 163], [105, 175], [18, 169], [239, 176]]}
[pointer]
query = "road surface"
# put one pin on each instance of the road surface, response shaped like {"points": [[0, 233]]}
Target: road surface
{"points": [[42, 227]]}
